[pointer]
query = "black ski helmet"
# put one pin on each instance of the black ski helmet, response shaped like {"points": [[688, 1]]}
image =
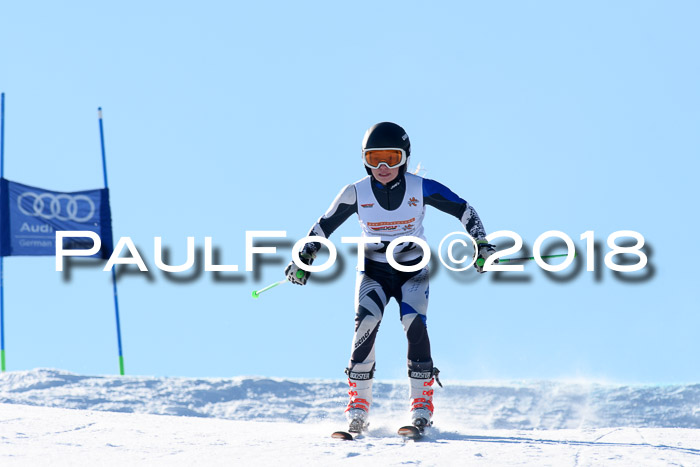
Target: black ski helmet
{"points": [[387, 135]]}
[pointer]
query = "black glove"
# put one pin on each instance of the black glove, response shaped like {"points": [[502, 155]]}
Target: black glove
{"points": [[485, 250], [295, 274]]}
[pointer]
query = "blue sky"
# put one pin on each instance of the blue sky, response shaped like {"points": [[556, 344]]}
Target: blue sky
{"points": [[223, 117]]}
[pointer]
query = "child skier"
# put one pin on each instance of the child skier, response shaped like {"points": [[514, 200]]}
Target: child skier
{"points": [[390, 203]]}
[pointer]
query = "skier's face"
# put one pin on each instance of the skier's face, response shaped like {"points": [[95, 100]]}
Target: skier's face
{"points": [[384, 174]]}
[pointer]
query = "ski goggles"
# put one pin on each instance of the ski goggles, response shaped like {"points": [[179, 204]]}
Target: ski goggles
{"points": [[390, 157]]}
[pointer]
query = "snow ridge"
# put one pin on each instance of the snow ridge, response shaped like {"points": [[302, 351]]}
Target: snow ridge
{"points": [[543, 405]]}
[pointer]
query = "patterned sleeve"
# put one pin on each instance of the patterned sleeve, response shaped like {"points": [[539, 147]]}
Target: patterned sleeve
{"points": [[344, 205], [439, 196]]}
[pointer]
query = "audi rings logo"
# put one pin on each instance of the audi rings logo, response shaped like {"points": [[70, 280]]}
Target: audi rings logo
{"points": [[62, 207]]}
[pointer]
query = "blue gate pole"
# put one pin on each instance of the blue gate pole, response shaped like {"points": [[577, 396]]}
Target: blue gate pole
{"points": [[2, 298], [114, 276]]}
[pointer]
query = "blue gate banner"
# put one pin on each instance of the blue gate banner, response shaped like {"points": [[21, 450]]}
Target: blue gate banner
{"points": [[30, 217]]}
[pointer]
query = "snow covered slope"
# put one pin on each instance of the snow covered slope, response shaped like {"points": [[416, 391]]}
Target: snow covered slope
{"points": [[532, 405], [266, 421]]}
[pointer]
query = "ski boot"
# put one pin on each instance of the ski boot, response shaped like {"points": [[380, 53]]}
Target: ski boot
{"points": [[357, 412], [422, 377]]}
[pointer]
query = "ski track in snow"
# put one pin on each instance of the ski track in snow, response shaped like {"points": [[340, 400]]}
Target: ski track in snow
{"points": [[183, 421]]}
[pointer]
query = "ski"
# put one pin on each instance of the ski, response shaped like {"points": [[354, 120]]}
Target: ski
{"points": [[344, 435], [355, 429], [411, 432]]}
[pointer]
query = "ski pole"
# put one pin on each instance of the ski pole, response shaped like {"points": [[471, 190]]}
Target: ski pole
{"points": [[256, 293], [526, 258], [481, 261]]}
